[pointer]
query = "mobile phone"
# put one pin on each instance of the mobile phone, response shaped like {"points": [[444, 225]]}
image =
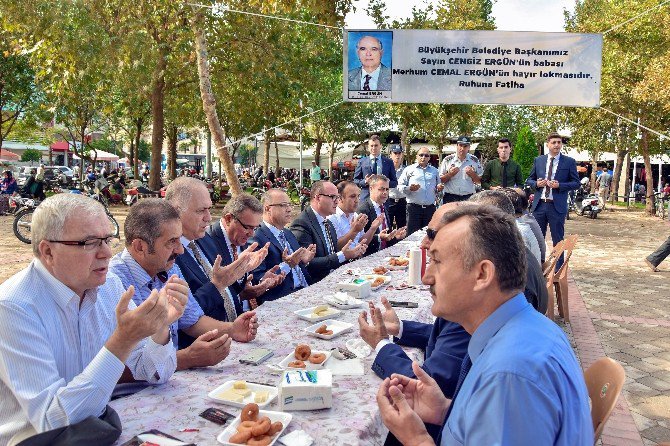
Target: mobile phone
{"points": [[217, 416], [402, 304], [256, 356]]}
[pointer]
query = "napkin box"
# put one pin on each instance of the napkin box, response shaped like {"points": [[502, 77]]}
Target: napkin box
{"points": [[306, 390], [359, 288]]}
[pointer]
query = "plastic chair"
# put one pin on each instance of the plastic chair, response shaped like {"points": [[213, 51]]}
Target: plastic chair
{"points": [[561, 279], [604, 381], [549, 272], [553, 256]]}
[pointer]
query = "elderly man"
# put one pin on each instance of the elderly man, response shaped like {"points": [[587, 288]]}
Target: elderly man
{"points": [[518, 361], [373, 74], [152, 232], [374, 208], [68, 328], [284, 254], [241, 217], [460, 172], [209, 282], [502, 171], [312, 227], [349, 225], [375, 164], [419, 182]]}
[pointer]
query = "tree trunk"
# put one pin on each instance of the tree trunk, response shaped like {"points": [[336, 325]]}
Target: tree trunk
{"points": [[403, 138], [331, 159], [317, 151], [594, 169], [136, 156], [649, 207], [172, 134], [209, 105], [276, 158], [620, 158], [266, 148], [158, 119]]}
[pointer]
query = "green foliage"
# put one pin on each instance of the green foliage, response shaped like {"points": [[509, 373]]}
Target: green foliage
{"points": [[30, 155], [525, 150], [246, 153], [145, 151]]}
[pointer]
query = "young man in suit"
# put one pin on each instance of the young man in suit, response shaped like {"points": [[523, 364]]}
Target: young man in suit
{"points": [[311, 227], [553, 176], [241, 217], [284, 253], [374, 164], [374, 207]]}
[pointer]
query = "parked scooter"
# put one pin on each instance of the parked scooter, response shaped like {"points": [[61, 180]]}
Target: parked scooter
{"points": [[586, 203]]}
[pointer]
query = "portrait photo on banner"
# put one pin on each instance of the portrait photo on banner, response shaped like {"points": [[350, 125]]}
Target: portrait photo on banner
{"points": [[370, 62]]}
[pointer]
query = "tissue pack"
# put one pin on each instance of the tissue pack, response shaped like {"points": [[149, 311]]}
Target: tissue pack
{"points": [[306, 390]]}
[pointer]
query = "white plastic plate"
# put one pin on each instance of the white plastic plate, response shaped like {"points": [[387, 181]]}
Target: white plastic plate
{"points": [[396, 268], [307, 315], [351, 303], [372, 277], [309, 366], [250, 399], [337, 327], [284, 417]]}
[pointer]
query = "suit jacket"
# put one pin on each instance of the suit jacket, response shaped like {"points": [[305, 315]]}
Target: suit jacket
{"points": [[364, 168], [307, 231], [366, 207], [203, 289], [215, 233], [383, 83], [566, 175], [446, 344], [263, 235]]}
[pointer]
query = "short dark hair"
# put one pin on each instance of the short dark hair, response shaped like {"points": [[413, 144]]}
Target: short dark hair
{"points": [[553, 135], [505, 140], [145, 218], [374, 138], [516, 200], [342, 185], [493, 236], [376, 178], [494, 198], [241, 202]]}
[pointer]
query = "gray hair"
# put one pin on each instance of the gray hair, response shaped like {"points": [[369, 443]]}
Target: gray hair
{"points": [[145, 218], [495, 198], [180, 191], [48, 222], [493, 235], [266, 198], [374, 179], [358, 44], [239, 203]]}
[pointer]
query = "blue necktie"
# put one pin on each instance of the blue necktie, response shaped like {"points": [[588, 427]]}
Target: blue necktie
{"points": [[374, 166], [296, 270], [465, 368]]}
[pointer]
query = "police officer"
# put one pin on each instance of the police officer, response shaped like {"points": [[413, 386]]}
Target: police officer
{"points": [[460, 172], [397, 202]]}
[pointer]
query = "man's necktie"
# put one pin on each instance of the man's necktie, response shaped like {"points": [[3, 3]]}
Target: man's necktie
{"points": [[329, 240], [252, 302], [296, 270], [228, 304], [366, 85], [465, 368], [504, 174], [383, 212], [374, 166], [547, 189]]}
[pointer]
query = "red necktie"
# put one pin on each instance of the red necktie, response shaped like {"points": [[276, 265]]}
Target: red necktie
{"points": [[548, 178], [383, 212]]}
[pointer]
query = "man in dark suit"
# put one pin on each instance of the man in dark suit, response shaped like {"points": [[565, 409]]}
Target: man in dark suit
{"points": [[552, 176], [374, 207], [375, 164], [284, 252], [311, 227], [241, 217], [372, 74], [201, 266]]}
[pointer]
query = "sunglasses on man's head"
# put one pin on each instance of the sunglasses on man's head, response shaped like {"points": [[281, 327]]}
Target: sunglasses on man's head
{"points": [[431, 233]]}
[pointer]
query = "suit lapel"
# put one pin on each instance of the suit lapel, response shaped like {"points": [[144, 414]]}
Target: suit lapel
{"points": [[317, 227], [190, 263], [271, 236]]}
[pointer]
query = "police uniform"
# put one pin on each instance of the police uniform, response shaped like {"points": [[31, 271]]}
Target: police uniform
{"points": [[460, 187]]}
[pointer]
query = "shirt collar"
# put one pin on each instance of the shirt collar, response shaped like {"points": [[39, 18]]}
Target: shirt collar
{"points": [[556, 158], [373, 75], [228, 244], [138, 274], [61, 293], [340, 213], [275, 230], [494, 323], [378, 208], [319, 218]]}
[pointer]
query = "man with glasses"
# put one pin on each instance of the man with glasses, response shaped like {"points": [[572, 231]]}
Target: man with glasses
{"points": [[68, 328], [241, 217], [312, 227], [209, 279], [420, 182], [460, 172], [284, 253], [152, 232]]}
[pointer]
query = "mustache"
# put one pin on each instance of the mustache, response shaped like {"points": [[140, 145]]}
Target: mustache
{"points": [[172, 257], [432, 289]]}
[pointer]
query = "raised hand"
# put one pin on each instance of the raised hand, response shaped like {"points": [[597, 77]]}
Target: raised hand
{"points": [[245, 327], [359, 223], [143, 321], [390, 318], [373, 333], [386, 235], [353, 252], [293, 259], [377, 222], [414, 187], [177, 297], [423, 395], [401, 233], [224, 276], [308, 254]]}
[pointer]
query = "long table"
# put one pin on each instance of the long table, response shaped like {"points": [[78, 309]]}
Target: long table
{"points": [[354, 418]]}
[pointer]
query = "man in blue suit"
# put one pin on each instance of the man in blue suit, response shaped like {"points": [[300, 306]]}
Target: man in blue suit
{"points": [[284, 251], [552, 176], [374, 164]]}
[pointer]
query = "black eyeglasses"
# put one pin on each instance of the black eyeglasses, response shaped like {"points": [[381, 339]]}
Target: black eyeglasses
{"points": [[247, 227], [431, 233], [424, 155], [333, 197], [284, 205], [90, 244]]}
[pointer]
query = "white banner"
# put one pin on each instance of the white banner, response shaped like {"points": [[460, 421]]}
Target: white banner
{"points": [[472, 67]]}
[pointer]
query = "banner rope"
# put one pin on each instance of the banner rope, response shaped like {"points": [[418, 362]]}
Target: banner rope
{"points": [[636, 123], [636, 17]]}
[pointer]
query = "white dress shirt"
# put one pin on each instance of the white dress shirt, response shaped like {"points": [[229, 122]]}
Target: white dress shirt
{"points": [[342, 224], [374, 77], [54, 367], [553, 174]]}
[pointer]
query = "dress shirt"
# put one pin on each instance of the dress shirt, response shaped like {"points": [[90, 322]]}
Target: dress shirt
{"points": [[525, 385], [461, 183], [315, 173], [553, 174], [493, 174], [374, 77], [394, 192], [54, 367], [241, 281], [185, 242], [283, 266], [426, 177], [321, 220], [131, 273], [342, 224]]}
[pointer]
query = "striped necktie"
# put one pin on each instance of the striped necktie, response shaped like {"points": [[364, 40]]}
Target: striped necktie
{"points": [[228, 304], [281, 237]]}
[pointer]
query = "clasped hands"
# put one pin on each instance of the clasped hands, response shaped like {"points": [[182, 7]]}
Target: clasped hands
{"points": [[543, 182], [248, 260], [301, 255]]}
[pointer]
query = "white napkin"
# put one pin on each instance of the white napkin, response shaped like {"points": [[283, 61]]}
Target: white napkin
{"points": [[296, 438]]}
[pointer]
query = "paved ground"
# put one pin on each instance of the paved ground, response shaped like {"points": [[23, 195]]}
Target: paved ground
{"points": [[618, 307]]}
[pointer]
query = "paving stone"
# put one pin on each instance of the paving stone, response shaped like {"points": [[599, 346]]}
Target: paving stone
{"points": [[657, 433], [654, 383]]}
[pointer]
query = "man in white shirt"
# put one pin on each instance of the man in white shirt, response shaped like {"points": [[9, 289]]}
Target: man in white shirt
{"points": [[348, 224], [68, 328]]}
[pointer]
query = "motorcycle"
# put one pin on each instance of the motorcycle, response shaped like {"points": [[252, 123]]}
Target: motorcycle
{"points": [[586, 204]]}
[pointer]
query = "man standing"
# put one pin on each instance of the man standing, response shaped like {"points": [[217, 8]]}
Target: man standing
{"points": [[397, 203], [312, 227], [374, 164], [68, 328], [242, 215], [460, 172], [503, 171], [315, 172], [284, 253], [374, 208], [553, 176], [419, 182], [372, 75], [603, 183], [349, 225], [518, 361]]}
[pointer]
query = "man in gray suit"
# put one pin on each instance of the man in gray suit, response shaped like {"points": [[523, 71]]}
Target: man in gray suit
{"points": [[372, 75]]}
